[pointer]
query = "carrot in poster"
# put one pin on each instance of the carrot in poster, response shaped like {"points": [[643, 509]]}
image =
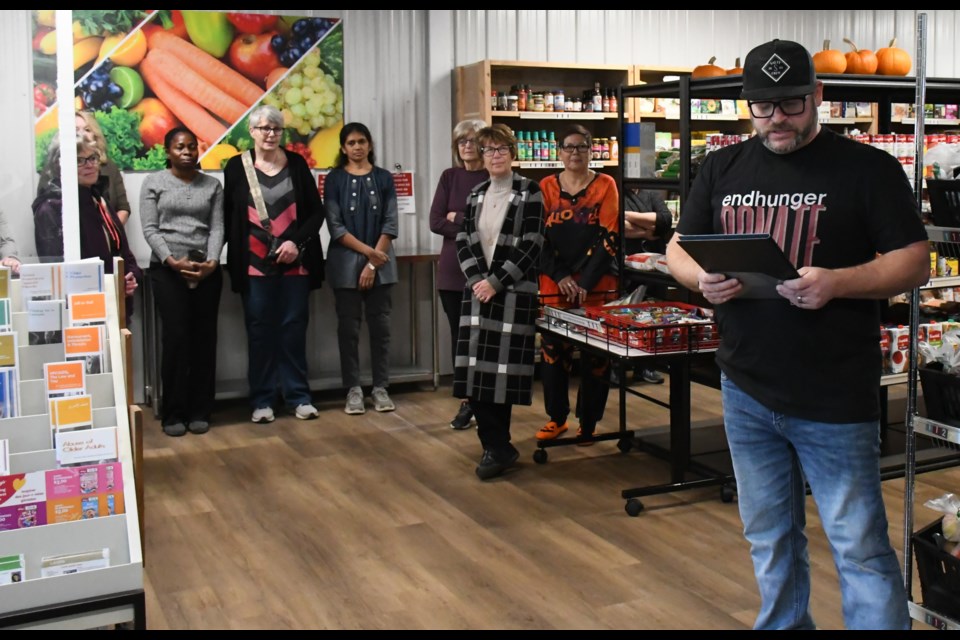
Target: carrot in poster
{"points": [[191, 114], [177, 74], [226, 78]]}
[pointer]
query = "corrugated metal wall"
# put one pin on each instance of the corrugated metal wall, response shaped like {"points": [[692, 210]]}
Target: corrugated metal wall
{"points": [[399, 63]]}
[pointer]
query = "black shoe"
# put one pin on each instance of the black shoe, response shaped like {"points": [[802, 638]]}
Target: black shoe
{"points": [[652, 376], [493, 463], [463, 417], [175, 429]]}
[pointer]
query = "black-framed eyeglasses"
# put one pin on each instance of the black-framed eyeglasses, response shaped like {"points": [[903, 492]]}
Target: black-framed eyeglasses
{"points": [[583, 147], [502, 150], [269, 130], [788, 107], [463, 142], [89, 161]]}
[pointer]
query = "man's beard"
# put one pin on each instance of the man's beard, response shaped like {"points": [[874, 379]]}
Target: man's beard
{"points": [[802, 135]]}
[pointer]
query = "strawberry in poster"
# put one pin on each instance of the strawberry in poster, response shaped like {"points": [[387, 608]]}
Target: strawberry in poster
{"points": [[205, 70]]}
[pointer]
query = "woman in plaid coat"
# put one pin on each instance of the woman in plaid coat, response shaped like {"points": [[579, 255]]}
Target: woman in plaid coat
{"points": [[499, 252]]}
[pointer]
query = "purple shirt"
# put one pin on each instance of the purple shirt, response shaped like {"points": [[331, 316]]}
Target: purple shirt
{"points": [[452, 192]]}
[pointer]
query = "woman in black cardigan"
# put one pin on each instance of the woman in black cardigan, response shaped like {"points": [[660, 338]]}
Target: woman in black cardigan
{"points": [[275, 285]]}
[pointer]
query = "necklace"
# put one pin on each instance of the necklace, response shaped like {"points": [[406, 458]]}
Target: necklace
{"points": [[268, 166]]}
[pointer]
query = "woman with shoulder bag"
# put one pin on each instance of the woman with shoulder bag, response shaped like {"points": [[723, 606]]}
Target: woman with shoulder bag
{"points": [[272, 212]]}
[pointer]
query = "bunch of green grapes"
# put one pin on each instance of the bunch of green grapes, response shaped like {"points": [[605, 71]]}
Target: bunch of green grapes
{"points": [[308, 98]]}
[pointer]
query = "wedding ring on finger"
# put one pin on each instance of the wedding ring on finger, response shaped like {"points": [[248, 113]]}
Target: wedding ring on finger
{"points": [[799, 299]]}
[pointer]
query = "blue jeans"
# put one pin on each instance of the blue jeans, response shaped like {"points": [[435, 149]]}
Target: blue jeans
{"points": [[276, 313], [772, 454]]}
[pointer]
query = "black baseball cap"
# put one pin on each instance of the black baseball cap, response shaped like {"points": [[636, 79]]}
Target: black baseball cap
{"points": [[778, 69]]}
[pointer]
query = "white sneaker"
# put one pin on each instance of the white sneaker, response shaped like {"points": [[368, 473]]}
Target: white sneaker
{"points": [[381, 401], [263, 415], [306, 412], [355, 402]]}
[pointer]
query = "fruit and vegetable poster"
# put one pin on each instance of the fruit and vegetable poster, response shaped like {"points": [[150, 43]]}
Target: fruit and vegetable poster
{"points": [[143, 72]]}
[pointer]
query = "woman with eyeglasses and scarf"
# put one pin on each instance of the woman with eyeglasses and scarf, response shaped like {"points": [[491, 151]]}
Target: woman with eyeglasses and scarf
{"points": [[101, 232]]}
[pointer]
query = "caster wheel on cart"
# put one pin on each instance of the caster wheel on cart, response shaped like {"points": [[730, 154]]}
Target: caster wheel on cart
{"points": [[624, 445], [540, 456], [726, 493], [633, 507]]}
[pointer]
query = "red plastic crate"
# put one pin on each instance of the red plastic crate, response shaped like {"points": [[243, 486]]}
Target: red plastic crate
{"points": [[657, 338]]}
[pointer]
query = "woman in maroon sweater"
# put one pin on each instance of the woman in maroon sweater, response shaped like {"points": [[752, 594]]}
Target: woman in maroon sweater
{"points": [[446, 219]]}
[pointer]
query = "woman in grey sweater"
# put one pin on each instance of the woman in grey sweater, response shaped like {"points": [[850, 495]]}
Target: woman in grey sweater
{"points": [[181, 211]]}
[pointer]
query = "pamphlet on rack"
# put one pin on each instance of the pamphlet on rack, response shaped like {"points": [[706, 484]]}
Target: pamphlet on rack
{"points": [[64, 379], [5, 275], [12, 569], [84, 276], [81, 493], [86, 446], [87, 308], [62, 565], [23, 500], [71, 413], [44, 321], [6, 322], [87, 345], [9, 376], [39, 281]]}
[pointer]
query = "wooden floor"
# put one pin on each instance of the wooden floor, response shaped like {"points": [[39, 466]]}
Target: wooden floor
{"points": [[378, 522]]}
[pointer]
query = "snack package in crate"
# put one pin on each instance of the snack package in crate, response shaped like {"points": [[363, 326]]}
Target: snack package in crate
{"points": [[938, 558], [658, 327]]}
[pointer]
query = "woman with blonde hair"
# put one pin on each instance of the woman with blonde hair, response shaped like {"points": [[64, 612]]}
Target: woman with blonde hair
{"points": [[446, 219], [115, 193]]}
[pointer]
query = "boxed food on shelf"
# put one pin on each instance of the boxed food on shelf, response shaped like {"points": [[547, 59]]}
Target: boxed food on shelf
{"points": [[658, 327]]}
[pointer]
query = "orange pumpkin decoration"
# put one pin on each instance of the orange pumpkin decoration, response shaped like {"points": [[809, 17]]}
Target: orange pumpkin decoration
{"points": [[893, 61], [829, 60], [708, 70], [862, 61], [737, 69]]}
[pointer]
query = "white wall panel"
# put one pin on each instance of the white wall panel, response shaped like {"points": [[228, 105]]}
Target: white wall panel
{"points": [[16, 114], [532, 35]]}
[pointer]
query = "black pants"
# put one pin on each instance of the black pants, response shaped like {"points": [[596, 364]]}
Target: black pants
{"points": [[188, 370], [351, 305], [450, 300], [493, 424], [555, 365]]}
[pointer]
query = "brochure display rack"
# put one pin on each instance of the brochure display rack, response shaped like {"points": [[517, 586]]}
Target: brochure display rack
{"points": [[72, 572]]}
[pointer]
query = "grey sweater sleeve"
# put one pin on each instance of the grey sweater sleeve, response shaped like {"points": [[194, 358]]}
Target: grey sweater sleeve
{"points": [[150, 216]]}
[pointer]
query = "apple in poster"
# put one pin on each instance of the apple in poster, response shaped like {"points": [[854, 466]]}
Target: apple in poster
{"points": [[156, 120], [253, 56]]}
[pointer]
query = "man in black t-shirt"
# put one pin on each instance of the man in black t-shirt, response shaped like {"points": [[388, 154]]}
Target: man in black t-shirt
{"points": [[801, 370]]}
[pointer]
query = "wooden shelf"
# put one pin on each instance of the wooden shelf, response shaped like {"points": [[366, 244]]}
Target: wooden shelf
{"points": [[936, 122], [554, 115], [548, 164], [474, 83], [857, 120]]}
